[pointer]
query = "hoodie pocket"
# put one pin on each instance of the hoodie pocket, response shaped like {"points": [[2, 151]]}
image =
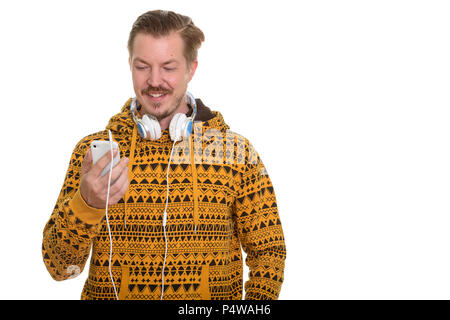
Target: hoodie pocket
{"points": [[123, 291], [129, 286], [205, 293]]}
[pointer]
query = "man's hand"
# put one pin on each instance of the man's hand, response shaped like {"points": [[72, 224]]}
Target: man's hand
{"points": [[93, 187]]}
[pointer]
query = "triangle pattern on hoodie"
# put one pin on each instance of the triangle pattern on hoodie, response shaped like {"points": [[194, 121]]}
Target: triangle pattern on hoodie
{"points": [[220, 198]]}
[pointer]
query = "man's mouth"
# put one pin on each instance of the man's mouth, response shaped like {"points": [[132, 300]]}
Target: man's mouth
{"points": [[156, 96]]}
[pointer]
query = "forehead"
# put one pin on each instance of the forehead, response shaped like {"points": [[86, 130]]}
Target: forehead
{"points": [[158, 49]]}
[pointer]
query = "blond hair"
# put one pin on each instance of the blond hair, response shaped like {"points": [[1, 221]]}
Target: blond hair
{"points": [[160, 23]]}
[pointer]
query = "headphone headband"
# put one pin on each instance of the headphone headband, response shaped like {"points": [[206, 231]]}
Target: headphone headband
{"points": [[193, 103], [189, 98], [148, 126]]}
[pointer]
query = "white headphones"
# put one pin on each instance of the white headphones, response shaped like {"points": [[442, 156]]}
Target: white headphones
{"points": [[180, 126]]}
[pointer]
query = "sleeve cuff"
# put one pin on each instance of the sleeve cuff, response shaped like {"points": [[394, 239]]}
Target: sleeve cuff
{"points": [[83, 211]]}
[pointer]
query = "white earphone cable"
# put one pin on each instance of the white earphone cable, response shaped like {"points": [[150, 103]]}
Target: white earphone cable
{"points": [[191, 100], [106, 214], [165, 220]]}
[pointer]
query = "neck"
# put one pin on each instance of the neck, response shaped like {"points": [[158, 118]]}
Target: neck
{"points": [[165, 122]]}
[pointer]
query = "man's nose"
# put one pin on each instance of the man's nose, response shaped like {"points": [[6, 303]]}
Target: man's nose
{"points": [[154, 78]]}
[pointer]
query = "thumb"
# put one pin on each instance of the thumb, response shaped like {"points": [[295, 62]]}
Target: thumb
{"points": [[87, 163]]}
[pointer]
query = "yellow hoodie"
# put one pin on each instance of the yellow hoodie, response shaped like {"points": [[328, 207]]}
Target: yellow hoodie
{"points": [[220, 197]]}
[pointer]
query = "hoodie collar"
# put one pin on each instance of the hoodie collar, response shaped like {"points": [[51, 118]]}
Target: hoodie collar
{"points": [[123, 123]]}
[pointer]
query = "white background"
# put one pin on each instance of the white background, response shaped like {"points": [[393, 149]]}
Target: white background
{"points": [[347, 103]]}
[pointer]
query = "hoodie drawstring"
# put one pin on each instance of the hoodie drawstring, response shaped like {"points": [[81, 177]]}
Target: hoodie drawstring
{"points": [[130, 162], [194, 185]]}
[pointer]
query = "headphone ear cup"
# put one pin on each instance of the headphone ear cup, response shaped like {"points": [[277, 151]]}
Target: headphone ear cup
{"points": [[141, 129], [177, 127], [152, 127]]}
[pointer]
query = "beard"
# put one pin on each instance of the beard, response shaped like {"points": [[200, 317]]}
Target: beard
{"points": [[177, 99], [170, 110]]}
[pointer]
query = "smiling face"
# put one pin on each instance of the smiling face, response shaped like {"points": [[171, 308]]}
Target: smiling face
{"points": [[160, 75]]}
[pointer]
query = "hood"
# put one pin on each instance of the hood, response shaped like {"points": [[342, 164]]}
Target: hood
{"points": [[123, 127]]}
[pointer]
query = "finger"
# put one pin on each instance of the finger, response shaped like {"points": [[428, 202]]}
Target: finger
{"points": [[87, 162], [102, 163], [116, 172], [118, 195], [119, 183]]}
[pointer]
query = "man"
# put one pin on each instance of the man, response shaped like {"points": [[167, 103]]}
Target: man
{"points": [[176, 218]]}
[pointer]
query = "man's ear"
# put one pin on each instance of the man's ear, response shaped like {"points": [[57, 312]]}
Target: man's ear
{"points": [[192, 69], [129, 62]]}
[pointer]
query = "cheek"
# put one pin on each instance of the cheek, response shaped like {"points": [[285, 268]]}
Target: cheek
{"points": [[177, 81], [173, 81], [139, 80]]}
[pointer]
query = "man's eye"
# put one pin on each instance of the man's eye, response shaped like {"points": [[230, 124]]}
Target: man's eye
{"points": [[169, 69], [140, 68]]}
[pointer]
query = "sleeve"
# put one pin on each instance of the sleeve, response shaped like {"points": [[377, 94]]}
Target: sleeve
{"points": [[68, 234], [260, 230]]}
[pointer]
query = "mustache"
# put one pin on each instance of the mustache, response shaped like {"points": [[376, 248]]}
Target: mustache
{"points": [[155, 90]]}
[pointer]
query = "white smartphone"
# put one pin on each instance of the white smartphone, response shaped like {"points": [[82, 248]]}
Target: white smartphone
{"points": [[100, 148]]}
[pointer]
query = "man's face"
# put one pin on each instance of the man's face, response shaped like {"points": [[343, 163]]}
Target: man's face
{"points": [[160, 73]]}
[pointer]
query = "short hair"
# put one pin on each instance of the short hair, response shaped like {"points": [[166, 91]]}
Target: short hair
{"points": [[160, 23]]}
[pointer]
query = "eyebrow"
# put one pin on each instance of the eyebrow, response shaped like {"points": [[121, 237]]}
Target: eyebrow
{"points": [[164, 63]]}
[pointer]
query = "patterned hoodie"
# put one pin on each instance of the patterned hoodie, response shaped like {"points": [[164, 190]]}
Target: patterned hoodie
{"points": [[220, 198]]}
